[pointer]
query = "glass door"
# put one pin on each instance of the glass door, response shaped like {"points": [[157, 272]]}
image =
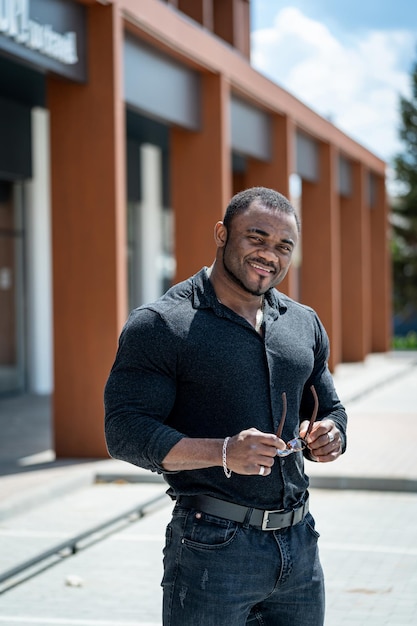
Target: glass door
{"points": [[11, 289]]}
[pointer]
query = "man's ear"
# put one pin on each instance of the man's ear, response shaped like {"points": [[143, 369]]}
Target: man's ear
{"points": [[220, 234]]}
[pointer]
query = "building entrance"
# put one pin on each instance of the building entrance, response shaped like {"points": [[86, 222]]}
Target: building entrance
{"points": [[12, 335]]}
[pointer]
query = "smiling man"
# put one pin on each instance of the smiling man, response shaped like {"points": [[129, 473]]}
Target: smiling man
{"points": [[222, 386]]}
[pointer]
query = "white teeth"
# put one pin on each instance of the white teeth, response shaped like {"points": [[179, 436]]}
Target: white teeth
{"points": [[259, 267]]}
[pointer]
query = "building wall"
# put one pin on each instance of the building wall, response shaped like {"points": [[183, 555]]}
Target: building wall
{"points": [[344, 272], [90, 308], [88, 232]]}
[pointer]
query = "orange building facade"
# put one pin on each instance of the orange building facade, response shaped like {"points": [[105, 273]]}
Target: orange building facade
{"points": [[136, 157]]}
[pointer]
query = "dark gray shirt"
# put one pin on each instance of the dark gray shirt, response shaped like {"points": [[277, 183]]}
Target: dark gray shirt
{"points": [[187, 366]]}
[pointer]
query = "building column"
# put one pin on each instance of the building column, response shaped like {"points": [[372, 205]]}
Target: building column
{"points": [[201, 178], [381, 280], [320, 268], [149, 233], [199, 10], [356, 304], [231, 20], [276, 175], [89, 235], [38, 261]]}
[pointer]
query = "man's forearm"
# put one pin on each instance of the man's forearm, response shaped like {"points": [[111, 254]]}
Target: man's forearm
{"points": [[190, 454], [244, 453]]}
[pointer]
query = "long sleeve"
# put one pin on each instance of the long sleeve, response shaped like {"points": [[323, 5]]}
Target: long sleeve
{"points": [[140, 393]]}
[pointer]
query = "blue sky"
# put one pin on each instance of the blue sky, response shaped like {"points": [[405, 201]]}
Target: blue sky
{"points": [[349, 61]]}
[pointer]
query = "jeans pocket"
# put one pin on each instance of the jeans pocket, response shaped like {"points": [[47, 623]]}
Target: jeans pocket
{"points": [[207, 532], [310, 525]]}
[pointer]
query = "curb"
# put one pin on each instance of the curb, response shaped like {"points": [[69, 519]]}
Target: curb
{"points": [[364, 483]]}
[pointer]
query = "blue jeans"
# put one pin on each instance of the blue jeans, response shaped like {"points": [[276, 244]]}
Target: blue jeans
{"points": [[221, 573]]}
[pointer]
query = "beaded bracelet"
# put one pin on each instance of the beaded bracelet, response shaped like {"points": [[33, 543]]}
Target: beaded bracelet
{"points": [[226, 470]]}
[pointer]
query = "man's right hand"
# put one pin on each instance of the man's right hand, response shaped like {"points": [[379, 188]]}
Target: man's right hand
{"points": [[251, 450]]}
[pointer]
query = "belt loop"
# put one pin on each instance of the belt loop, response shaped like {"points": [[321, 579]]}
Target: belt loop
{"points": [[248, 515]]}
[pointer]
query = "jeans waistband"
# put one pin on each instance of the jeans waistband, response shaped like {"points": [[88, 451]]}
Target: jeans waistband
{"points": [[258, 518]]}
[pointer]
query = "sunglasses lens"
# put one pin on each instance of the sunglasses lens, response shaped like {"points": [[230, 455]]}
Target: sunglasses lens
{"points": [[296, 445], [284, 452]]}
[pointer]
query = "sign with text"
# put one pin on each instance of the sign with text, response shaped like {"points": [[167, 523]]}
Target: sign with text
{"points": [[50, 34]]}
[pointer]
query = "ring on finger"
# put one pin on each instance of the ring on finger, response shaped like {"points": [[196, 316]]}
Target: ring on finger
{"points": [[330, 436], [261, 470]]}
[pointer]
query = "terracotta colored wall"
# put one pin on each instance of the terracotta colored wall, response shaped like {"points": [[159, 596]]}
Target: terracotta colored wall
{"points": [[228, 19], [276, 174], [89, 205], [231, 23], [355, 277], [8, 296], [201, 178], [381, 287], [199, 10], [320, 269], [89, 265]]}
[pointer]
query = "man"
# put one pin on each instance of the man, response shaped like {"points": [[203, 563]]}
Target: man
{"points": [[220, 385]]}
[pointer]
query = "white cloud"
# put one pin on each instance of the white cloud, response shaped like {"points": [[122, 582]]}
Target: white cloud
{"points": [[355, 82]]}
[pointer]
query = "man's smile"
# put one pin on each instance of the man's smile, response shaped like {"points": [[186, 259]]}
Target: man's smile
{"points": [[263, 269]]}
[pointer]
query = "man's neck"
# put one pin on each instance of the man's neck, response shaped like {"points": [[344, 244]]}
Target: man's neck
{"points": [[234, 297]]}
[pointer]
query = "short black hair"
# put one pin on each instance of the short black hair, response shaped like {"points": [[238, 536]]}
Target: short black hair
{"points": [[270, 198]]}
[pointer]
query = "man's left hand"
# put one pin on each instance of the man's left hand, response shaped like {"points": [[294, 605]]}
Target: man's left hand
{"points": [[324, 441]]}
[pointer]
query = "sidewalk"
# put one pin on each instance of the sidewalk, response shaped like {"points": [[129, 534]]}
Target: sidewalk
{"points": [[29, 474], [380, 396], [367, 537]]}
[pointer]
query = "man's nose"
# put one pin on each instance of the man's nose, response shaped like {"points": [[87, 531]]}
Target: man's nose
{"points": [[269, 254]]}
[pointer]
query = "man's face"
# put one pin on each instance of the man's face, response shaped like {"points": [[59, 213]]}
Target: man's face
{"points": [[258, 249]]}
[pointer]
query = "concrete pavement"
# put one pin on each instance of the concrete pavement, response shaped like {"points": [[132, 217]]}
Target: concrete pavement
{"points": [[368, 534], [381, 400], [367, 549]]}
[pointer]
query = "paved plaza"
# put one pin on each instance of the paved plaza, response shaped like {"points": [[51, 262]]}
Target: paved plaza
{"points": [[368, 532]]}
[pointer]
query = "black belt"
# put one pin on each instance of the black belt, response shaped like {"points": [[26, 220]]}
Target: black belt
{"points": [[258, 518]]}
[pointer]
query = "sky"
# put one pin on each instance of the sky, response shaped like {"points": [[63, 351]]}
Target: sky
{"points": [[347, 60]]}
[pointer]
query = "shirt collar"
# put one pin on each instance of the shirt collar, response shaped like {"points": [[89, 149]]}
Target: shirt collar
{"points": [[204, 296]]}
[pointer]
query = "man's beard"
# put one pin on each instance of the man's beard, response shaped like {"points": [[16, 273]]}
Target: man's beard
{"points": [[237, 281]]}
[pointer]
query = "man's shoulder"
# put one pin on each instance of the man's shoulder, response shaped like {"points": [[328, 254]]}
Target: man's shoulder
{"points": [[175, 304], [179, 294], [283, 302], [299, 317]]}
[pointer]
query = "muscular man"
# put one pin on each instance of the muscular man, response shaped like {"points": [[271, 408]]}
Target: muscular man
{"points": [[222, 386]]}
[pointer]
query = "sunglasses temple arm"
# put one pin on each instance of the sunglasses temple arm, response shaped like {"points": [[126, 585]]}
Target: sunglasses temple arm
{"points": [[315, 411], [284, 414]]}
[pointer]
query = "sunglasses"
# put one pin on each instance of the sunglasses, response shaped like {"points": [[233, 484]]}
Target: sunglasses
{"points": [[298, 444]]}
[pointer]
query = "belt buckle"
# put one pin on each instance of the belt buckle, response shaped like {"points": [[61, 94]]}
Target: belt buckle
{"points": [[265, 520]]}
